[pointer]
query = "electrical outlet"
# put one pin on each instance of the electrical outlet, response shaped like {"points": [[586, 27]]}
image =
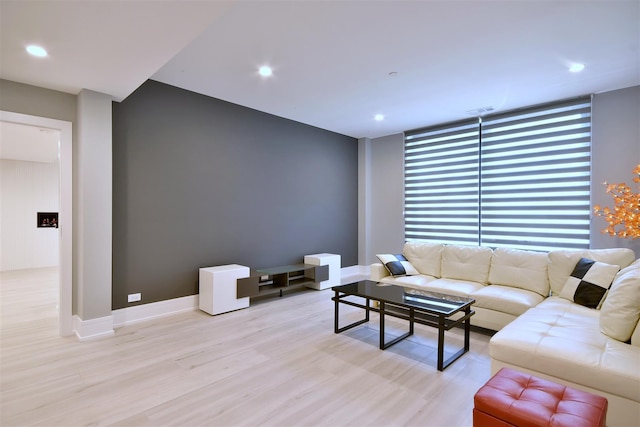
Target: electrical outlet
{"points": [[134, 297]]}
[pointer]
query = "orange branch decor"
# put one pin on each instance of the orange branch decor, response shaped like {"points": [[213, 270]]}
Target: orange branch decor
{"points": [[625, 214]]}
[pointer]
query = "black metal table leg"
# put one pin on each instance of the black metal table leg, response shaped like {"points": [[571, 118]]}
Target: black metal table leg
{"points": [[440, 343], [384, 345], [336, 328], [442, 364], [467, 328], [381, 307], [412, 316], [335, 312]]}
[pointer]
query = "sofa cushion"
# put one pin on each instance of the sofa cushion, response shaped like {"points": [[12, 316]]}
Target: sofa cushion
{"points": [[506, 299], [426, 257], [563, 340], [416, 282], [588, 282], [461, 288], [635, 337], [520, 269], [397, 265], [562, 262], [469, 263], [621, 309]]}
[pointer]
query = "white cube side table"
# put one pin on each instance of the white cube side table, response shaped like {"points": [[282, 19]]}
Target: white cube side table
{"points": [[218, 288], [333, 261]]}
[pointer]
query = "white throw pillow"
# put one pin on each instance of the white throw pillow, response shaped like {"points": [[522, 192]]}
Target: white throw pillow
{"points": [[397, 265], [466, 263], [562, 262], [520, 269], [426, 257], [589, 282], [620, 311]]}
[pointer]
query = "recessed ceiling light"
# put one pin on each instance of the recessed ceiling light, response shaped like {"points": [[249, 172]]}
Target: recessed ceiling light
{"points": [[265, 71], [576, 68], [378, 117], [36, 51]]}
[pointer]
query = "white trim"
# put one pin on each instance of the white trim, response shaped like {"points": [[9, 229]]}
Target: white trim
{"points": [[93, 328], [139, 313], [65, 213]]}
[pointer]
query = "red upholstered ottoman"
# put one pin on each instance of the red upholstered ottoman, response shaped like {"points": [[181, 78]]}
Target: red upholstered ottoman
{"points": [[512, 398]]}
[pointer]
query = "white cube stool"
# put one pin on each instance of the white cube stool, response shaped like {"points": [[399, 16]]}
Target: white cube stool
{"points": [[218, 288], [333, 261]]}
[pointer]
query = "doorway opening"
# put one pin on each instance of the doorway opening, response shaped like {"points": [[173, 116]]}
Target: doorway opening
{"points": [[65, 214]]}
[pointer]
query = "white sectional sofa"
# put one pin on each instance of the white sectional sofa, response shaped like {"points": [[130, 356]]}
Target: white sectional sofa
{"points": [[541, 330]]}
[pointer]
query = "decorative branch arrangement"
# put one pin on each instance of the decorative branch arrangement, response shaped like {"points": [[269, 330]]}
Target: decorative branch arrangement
{"points": [[625, 214]]}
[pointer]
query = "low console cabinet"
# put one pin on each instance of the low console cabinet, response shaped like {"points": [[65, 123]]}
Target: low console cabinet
{"points": [[275, 280]]}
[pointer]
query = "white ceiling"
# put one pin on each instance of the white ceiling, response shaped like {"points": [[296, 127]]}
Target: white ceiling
{"points": [[331, 59]]}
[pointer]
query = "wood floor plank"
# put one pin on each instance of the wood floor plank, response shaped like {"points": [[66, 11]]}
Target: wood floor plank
{"points": [[277, 363]]}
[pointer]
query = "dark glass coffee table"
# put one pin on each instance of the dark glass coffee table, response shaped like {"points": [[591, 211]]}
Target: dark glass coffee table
{"points": [[426, 308]]}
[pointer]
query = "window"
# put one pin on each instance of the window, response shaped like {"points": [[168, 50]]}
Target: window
{"points": [[442, 177], [519, 179]]}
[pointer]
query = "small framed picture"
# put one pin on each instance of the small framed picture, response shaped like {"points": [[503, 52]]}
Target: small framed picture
{"points": [[48, 219]]}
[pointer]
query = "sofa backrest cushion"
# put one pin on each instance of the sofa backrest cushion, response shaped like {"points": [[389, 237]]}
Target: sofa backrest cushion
{"points": [[470, 263], [562, 262], [520, 269], [621, 309], [426, 257]]}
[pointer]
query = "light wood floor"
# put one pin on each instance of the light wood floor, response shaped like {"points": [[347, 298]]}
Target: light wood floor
{"points": [[277, 363]]}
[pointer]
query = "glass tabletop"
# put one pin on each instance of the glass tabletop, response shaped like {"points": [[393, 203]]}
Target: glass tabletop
{"points": [[433, 302]]}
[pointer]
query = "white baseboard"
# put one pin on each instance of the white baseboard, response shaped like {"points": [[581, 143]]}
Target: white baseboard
{"points": [[92, 328], [139, 313]]}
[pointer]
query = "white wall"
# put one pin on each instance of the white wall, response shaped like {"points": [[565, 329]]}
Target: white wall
{"points": [[387, 177], [364, 201], [27, 188], [93, 229], [381, 175], [615, 152]]}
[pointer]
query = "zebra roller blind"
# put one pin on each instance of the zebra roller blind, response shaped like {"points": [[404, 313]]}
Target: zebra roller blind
{"points": [[519, 179], [442, 183]]}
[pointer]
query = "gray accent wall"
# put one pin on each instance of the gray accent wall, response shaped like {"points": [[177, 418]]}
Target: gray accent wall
{"points": [[199, 182]]}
